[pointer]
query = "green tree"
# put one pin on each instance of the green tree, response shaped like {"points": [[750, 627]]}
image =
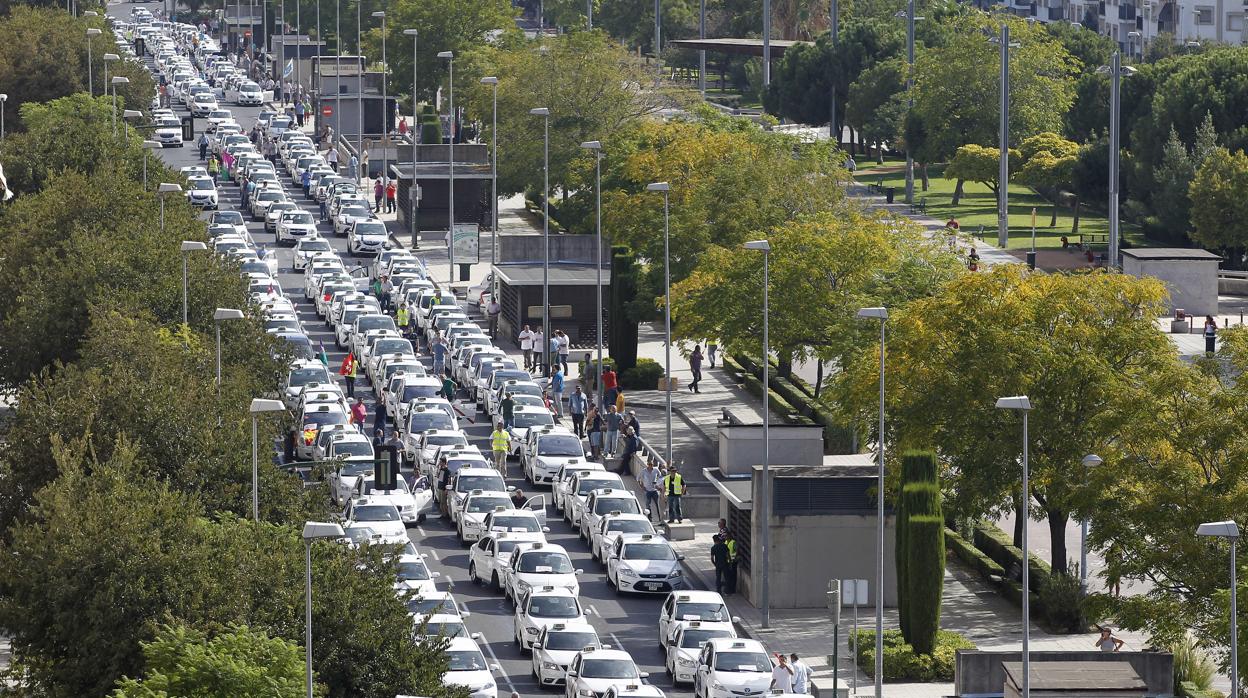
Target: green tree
{"points": [[975, 163], [237, 663], [632, 21], [876, 106], [1173, 179], [1049, 165], [1219, 196]]}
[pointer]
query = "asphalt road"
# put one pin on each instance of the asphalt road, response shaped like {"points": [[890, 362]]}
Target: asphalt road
{"points": [[629, 623]]}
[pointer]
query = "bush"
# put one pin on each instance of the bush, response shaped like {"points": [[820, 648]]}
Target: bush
{"points": [[902, 663], [970, 555], [1062, 603], [1190, 690], [926, 580], [1193, 671], [644, 376]]}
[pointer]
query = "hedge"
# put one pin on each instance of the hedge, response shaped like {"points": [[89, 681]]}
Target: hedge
{"points": [[644, 376], [754, 385], [998, 545], [837, 438], [974, 557], [1191, 690], [901, 663]]}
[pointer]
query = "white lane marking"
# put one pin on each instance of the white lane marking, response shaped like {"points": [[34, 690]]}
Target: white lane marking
{"points": [[618, 645], [422, 532], [593, 611], [434, 553], [450, 582], [510, 686]]}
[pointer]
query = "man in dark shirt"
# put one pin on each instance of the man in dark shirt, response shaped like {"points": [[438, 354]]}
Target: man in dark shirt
{"points": [[719, 558], [508, 407]]}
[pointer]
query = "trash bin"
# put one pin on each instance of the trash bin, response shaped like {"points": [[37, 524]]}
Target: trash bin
{"points": [[1031, 261], [888, 194]]}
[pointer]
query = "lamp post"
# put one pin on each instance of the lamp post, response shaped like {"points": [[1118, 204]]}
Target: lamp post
{"points": [[764, 495], [163, 190], [908, 13], [385, 112], [1090, 461], [1116, 70], [4, 97], [338, 75], [313, 531], [359, 92], [766, 43], [188, 246], [91, 31], [128, 115], [219, 316], [108, 58], [702, 52], [589, 15], [880, 314], [1003, 165], [1230, 531], [117, 80], [259, 406], [666, 189], [493, 82], [1023, 404], [148, 146], [596, 147], [412, 193], [545, 114], [449, 57]]}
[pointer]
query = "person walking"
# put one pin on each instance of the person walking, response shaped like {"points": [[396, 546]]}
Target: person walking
{"points": [[649, 479], [614, 421], [448, 387], [801, 674], [364, 171], [578, 404], [353, 167], [632, 444], [552, 352], [214, 169], [378, 192], [585, 371], [539, 341], [556, 387], [402, 316], [299, 110], [695, 367], [610, 385], [630, 421], [359, 414], [674, 487], [332, 158], [596, 429], [439, 355], [391, 193], [203, 146], [394, 447], [711, 349], [500, 442], [507, 406], [348, 372], [306, 181], [782, 675], [526, 346], [1211, 335], [619, 400], [381, 416], [563, 348], [492, 310], [719, 558], [1107, 642], [731, 542]]}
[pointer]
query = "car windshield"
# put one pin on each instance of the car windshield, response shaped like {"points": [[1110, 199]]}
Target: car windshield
{"points": [[526, 389], [428, 607], [356, 469], [411, 392], [629, 526], [303, 376], [355, 211], [506, 546], [359, 534], [525, 420], [314, 246], [413, 572], [542, 562], [375, 512], [393, 345], [353, 448], [448, 440], [597, 483], [702, 611], [503, 375], [429, 419], [483, 505], [464, 660], [368, 228], [570, 640], [487, 483], [693, 639], [742, 661], [228, 217], [515, 523], [608, 669], [624, 505], [326, 417], [297, 217], [447, 629], [648, 551], [375, 322], [554, 607], [400, 485], [559, 446], [202, 184]]}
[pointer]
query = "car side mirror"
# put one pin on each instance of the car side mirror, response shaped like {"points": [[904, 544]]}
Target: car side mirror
{"points": [[476, 636], [736, 619], [495, 669], [572, 674], [435, 575], [545, 529], [645, 674], [680, 558], [536, 645], [511, 488], [579, 572]]}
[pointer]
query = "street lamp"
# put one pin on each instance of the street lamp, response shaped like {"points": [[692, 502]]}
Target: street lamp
{"points": [[766, 41], [1023, 404], [1230, 531], [493, 82], [1133, 36], [219, 316], [313, 531], [188, 246], [163, 190], [764, 497], [545, 351], [880, 314], [412, 192], [259, 406], [596, 147], [1090, 462], [117, 80], [4, 97], [109, 58], [147, 145], [666, 189], [449, 57], [128, 115], [91, 31], [1003, 164], [1116, 70], [908, 15], [385, 113]]}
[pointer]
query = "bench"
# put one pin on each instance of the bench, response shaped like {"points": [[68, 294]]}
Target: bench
{"points": [[878, 187], [919, 206], [1085, 240]]}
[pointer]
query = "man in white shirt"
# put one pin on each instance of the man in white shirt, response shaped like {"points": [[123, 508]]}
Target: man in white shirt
{"points": [[526, 345], [539, 349], [801, 675], [782, 676]]}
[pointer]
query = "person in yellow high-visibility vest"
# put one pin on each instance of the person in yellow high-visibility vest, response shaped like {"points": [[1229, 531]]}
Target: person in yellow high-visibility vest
{"points": [[402, 316], [500, 441]]}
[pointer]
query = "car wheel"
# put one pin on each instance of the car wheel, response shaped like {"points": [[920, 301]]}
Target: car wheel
{"points": [[494, 582], [472, 573], [516, 639]]}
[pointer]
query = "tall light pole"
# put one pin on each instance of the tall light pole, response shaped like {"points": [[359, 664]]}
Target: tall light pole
{"points": [[412, 193], [298, 42], [589, 15], [449, 57], [259, 406], [363, 69], [117, 80], [385, 102], [108, 58], [702, 52], [128, 115], [1116, 70], [910, 19], [148, 146], [223, 315], [834, 28], [188, 246], [1090, 462], [545, 114], [764, 494], [338, 75], [1023, 404], [880, 314], [4, 97], [313, 531], [658, 11], [766, 43], [92, 31], [1003, 137], [596, 147], [493, 83], [666, 190], [163, 190], [1230, 531]]}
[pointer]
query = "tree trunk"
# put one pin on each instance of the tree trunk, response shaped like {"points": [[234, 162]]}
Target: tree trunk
{"points": [[1074, 212], [1020, 516], [784, 364], [1053, 219], [1057, 538], [879, 152], [957, 192], [818, 379], [926, 181]]}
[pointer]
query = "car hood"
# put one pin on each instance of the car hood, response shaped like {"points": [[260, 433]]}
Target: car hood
{"points": [[399, 499], [540, 623], [536, 579], [556, 462], [663, 567], [756, 683], [383, 531], [475, 680]]}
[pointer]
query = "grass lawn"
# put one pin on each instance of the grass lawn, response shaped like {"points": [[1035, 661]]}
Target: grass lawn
{"points": [[978, 207]]}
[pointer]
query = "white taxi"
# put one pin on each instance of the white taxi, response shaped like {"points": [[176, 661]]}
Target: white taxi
{"points": [[466, 667], [605, 501], [547, 450], [580, 489], [645, 564], [489, 559], [609, 527], [542, 607], [435, 614], [477, 505], [706, 607], [686, 643], [730, 668], [539, 565], [413, 577], [555, 647], [593, 672]]}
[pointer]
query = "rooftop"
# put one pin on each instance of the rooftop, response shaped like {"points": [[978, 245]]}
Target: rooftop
{"points": [[749, 47], [530, 274], [1165, 253], [1079, 678]]}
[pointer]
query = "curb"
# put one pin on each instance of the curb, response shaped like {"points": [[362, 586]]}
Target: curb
{"points": [[678, 411]]}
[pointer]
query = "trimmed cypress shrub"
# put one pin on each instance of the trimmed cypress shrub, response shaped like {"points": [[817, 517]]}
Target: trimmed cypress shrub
{"points": [[621, 330], [926, 540], [917, 467]]}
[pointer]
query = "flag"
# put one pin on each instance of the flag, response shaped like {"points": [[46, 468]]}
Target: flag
{"points": [[290, 68], [348, 365], [323, 356]]}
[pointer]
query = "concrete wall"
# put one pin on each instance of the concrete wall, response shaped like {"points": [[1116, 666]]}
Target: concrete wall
{"points": [[563, 248], [741, 447], [1232, 286], [979, 673], [1193, 283]]}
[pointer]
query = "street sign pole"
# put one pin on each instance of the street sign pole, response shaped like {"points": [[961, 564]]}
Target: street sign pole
{"points": [[834, 610]]}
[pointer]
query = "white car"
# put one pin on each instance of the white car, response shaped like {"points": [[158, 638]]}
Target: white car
{"points": [[466, 667], [233, 219], [477, 505], [413, 504], [201, 192], [593, 672], [168, 132], [732, 667], [342, 479], [579, 491], [546, 451], [684, 645], [644, 563], [555, 647], [613, 525], [294, 226], [382, 518], [249, 94], [413, 576], [524, 418], [539, 565], [488, 559], [636, 689], [471, 480], [706, 607], [566, 480], [605, 501], [302, 373], [367, 237], [429, 442], [436, 613], [348, 216], [203, 104], [310, 248], [541, 607], [217, 117]]}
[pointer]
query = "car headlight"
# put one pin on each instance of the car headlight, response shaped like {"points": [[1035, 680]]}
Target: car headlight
{"points": [[523, 585], [550, 666], [626, 572], [674, 574], [585, 692], [531, 631], [717, 685], [685, 662]]}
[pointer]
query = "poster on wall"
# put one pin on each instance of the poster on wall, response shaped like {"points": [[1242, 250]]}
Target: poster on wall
{"points": [[467, 243]]}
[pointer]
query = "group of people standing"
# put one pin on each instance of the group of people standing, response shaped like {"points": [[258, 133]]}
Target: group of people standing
{"points": [[555, 352]]}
